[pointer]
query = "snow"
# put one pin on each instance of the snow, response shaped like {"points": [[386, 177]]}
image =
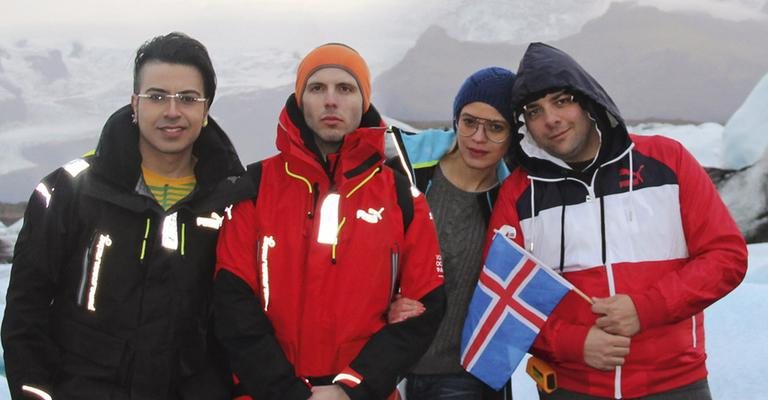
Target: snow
{"points": [[471, 20], [745, 136], [703, 140], [8, 233]]}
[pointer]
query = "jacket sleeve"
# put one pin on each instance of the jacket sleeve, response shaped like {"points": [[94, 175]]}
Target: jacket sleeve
{"points": [[242, 326], [31, 355], [717, 260], [558, 340], [396, 347]]}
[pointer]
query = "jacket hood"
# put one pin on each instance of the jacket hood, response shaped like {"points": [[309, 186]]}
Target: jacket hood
{"points": [[363, 146], [545, 69], [117, 158]]}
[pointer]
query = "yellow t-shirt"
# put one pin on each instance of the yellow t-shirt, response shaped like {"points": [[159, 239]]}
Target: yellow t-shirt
{"points": [[168, 191]]}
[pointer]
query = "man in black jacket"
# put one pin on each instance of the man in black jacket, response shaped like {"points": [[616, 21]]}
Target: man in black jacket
{"points": [[110, 290]]}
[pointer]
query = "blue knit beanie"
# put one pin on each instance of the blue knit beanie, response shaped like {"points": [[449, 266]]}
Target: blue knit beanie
{"points": [[493, 86]]}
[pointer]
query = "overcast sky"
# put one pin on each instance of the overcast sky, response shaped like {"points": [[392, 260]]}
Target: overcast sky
{"points": [[115, 20], [379, 29]]}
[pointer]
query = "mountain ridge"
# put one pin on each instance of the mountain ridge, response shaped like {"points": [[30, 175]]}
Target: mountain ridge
{"points": [[656, 65]]}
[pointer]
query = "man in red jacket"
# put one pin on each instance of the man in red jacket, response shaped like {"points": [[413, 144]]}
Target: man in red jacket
{"points": [[307, 269], [633, 221]]}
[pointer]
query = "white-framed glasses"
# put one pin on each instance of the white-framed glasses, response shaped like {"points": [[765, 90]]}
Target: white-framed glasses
{"points": [[183, 99]]}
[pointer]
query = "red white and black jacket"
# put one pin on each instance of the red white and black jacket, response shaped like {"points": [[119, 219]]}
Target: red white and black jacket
{"points": [[644, 220], [291, 309]]}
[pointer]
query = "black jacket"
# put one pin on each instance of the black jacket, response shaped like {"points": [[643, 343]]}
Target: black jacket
{"points": [[110, 295]]}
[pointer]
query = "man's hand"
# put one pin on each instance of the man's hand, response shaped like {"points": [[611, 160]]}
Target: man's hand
{"points": [[603, 350], [403, 308], [328, 392], [619, 315]]}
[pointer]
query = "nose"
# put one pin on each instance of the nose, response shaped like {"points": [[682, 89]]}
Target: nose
{"points": [[173, 109], [479, 135], [551, 117], [330, 99]]}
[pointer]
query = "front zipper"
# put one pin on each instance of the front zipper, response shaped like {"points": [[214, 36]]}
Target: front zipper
{"points": [[394, 270], [591, 196]]}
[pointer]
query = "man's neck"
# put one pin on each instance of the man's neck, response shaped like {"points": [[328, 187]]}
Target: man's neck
{"points": [[466, 178], [579, 165], [327, 147], [169, 165]]}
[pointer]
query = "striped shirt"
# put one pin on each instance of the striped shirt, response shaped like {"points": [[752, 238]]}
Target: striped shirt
{"points": [[168, 191]]}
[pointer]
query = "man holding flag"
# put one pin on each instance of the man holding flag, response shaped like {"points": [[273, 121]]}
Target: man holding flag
{"points": [[633, 221]]}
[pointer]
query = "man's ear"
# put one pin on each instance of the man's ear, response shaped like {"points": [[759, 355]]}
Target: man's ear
{"points": [[135, 107]]}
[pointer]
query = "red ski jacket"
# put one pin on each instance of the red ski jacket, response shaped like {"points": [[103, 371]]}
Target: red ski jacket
{"points": [[326, 302]]}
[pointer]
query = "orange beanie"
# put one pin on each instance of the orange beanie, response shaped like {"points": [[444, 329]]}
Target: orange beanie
{"points": [[335, 55]]}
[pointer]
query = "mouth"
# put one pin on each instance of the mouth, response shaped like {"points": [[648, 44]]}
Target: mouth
{"points": [[331, 121], [559, 135], [477, 152], [172, 130]]}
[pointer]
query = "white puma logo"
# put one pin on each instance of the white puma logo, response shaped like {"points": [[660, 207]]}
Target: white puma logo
{"points": [[372, 216], [214, 222]]}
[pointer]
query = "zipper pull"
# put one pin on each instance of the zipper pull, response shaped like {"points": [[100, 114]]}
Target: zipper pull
{"points": [[315, 196]]}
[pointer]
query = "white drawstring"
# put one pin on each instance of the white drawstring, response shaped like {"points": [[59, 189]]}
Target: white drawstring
{"points": [[631, 174], [631, 187], [533, 218]]}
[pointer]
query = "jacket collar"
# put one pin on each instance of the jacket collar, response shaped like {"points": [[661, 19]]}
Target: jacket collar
{"points": [[117, 163], [117, 158]]}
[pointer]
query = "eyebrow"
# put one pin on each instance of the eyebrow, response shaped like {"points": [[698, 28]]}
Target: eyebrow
{"points": [[187, 91], [466, 114], [554, 95], [337, 82]]}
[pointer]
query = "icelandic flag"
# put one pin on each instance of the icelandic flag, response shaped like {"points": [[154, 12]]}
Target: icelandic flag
{"points": [[513, 298]]}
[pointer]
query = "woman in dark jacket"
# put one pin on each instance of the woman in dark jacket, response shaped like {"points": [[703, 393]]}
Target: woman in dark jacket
{"points": [[460, 174]]}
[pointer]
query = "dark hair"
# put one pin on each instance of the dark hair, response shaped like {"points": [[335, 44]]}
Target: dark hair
{"points": [[177, 48]]}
